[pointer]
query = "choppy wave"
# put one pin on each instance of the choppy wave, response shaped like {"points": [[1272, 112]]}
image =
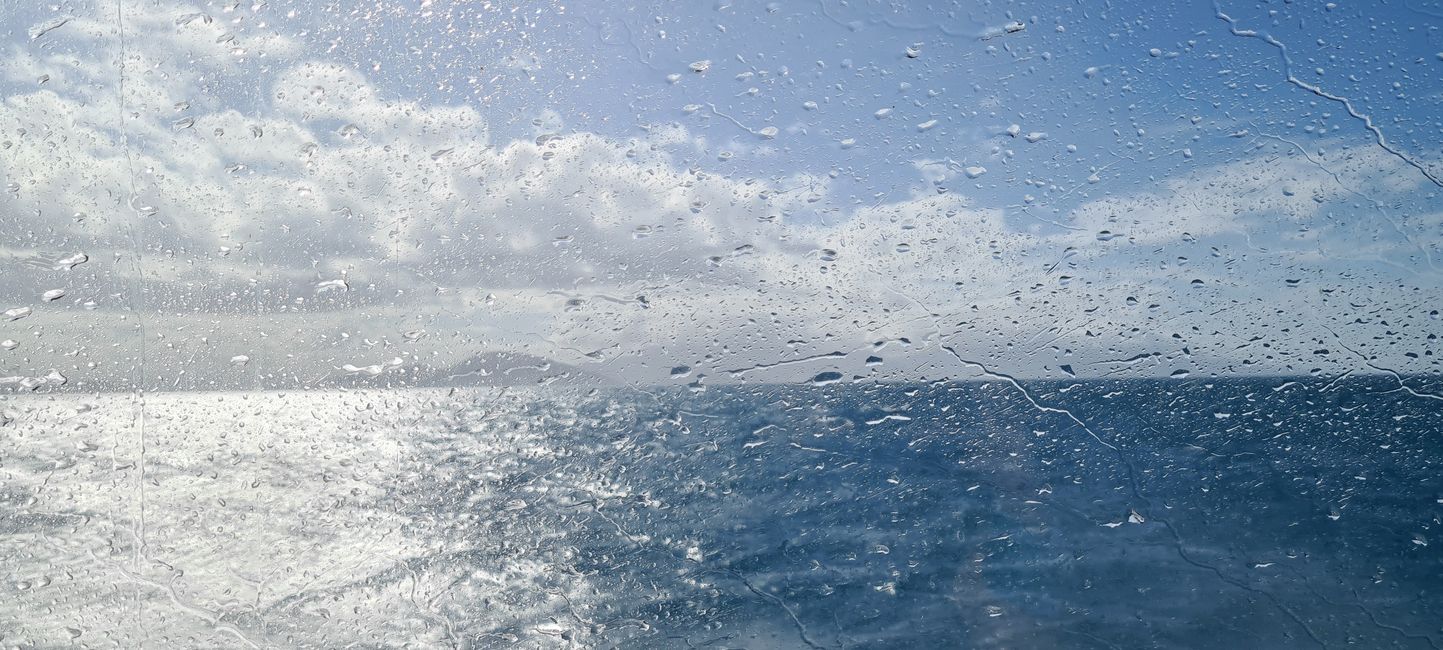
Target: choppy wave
{"points": [[1266, 513]]}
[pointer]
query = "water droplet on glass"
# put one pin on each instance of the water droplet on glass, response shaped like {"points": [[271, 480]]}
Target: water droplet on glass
{"points": [[71, 261], [332, 285], [824, 378]]}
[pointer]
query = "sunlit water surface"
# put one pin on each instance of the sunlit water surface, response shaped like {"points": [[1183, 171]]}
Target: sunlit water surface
{"points": [[1260, 513]]}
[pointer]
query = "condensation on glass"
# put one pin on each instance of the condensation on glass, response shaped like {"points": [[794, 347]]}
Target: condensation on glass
{"points": [[720, 324]]}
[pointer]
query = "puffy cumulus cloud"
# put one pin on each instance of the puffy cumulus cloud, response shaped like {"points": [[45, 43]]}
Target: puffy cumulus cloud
{"points": [[562, 210], [169, 51], [322, 172], [1227, 199], [1330, 199], [290, 212], [76, 92], [54, 160], [883, 275], [927, 244], [248, 205]]}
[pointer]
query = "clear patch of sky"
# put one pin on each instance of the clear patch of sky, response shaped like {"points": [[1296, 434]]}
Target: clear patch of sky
{"points": [[1116, 98], [1105, 99]]}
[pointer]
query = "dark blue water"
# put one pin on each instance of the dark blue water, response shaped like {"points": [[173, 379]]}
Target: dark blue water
{"points": [[1272, 513]]}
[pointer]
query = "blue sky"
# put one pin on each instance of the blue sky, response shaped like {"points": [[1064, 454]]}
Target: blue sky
{"points": [[1132, 94], [777, 180], [604, 69]]}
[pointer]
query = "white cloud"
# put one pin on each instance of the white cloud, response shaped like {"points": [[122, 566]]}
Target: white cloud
{"points": [[602, 251]]}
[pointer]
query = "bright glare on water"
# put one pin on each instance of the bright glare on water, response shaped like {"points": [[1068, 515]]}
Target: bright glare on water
{"points": [[728, 324]]}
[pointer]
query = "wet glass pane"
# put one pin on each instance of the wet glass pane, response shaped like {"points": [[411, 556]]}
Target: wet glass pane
{"points": [[722, 324]]}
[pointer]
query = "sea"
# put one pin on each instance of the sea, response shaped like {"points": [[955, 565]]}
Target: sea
{"points": [[1275, 512]]}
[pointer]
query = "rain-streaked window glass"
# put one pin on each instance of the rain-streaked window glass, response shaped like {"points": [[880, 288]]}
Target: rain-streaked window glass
{"points": [[721, 324]]}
